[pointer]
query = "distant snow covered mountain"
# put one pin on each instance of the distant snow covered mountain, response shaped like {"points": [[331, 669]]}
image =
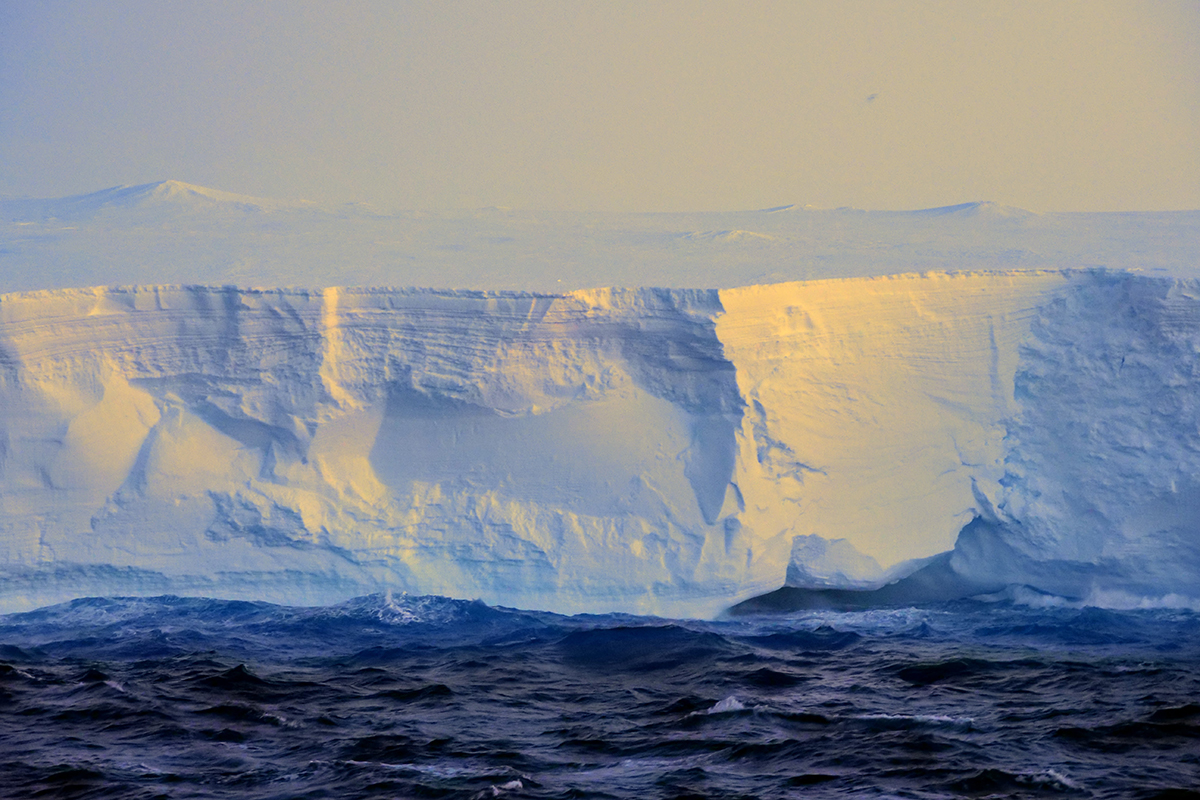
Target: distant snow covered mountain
{"points": [[668, 450], [140, 204]]}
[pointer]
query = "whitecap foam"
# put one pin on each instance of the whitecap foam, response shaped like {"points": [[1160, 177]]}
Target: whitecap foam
{"points": [[939, 720], [727, 706]]}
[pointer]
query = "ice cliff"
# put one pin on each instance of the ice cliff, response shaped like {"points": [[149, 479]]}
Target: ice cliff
{"points": [[668, 451]]}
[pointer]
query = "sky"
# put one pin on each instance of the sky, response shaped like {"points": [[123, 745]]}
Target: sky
{"points": [[610, 106]]}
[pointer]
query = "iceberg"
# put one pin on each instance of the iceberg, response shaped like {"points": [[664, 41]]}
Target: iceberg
{"points": [[669, 451]]}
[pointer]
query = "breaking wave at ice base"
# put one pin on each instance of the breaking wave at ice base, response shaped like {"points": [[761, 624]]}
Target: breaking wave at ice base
{"points": [[400, 696]]}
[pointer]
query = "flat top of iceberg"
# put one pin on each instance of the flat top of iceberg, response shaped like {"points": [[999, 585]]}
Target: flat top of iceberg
{"points": [[176, 233]]}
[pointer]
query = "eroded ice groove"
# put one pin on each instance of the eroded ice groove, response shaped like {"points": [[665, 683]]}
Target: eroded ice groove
{"points": [[569, 452], [664, 451]]}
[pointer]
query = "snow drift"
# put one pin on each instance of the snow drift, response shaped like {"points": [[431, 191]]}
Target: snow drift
{"points": [[657, 451]]}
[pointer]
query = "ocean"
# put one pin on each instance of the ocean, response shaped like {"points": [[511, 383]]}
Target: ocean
{"points": [[430, 697]]}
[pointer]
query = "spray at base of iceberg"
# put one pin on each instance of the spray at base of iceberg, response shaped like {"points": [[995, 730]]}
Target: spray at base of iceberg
{"points": [[651, 451]]}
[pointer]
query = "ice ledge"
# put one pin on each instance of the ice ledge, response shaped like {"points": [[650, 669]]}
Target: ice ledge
{"points": [[585, 293]]}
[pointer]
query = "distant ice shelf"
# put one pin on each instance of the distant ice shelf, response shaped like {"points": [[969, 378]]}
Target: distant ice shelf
{"points": [[665, 451], [172, 232]]}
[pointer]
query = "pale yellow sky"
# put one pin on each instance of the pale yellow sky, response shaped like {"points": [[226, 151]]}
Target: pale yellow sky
{"points": [[638, 106]]}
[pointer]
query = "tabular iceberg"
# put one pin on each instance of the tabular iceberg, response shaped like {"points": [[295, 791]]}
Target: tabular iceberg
{"points": [[651, 450]]}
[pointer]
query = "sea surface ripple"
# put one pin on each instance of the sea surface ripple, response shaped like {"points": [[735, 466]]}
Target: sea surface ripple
{"points": [[399, 697]]}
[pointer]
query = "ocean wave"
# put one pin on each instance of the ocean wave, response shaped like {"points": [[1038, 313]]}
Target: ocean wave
{"points": [[431, 696]]}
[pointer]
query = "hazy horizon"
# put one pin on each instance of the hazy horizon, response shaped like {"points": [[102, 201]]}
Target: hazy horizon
{"points": [[663, 106], [221, 194]]}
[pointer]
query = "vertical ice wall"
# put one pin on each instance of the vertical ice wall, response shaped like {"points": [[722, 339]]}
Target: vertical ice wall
{"points": [[1100, 498], [876, 410], [642, 450], [557, 451]]}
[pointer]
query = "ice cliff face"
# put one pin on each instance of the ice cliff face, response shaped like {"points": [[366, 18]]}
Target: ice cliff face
{"points": [[666, 451], [1100, 496], [568, 451]]}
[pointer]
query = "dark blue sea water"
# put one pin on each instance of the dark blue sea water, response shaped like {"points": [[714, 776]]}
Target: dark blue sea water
{"points": [[419, 697]]}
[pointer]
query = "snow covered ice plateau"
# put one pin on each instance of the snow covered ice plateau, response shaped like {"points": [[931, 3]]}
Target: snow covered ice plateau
{"points": [[1015, 409]]}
